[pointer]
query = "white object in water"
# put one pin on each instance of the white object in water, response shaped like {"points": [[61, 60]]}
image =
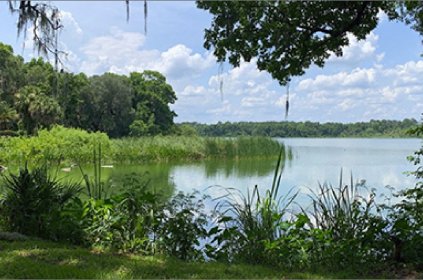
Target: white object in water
{"points": [[107, 166]]}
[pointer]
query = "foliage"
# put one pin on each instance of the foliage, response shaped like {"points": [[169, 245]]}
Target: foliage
{"points": [[180, 225], [108, 104], [249, 222], [345, 228], [75, 146], [406, 216], [374, 128], [286, 38], [72, 96], [152, 96], [33, 202], [11, 73], [8, 117], [55, 145], [118, 105], [36, 109]]}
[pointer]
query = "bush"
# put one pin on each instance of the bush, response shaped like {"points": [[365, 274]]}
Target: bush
{"points": [[33, 201], [346, 230], [54, 145], [180, 225], [250, 223]]}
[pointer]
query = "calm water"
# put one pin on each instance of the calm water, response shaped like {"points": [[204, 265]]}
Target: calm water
{"points": [[380, 162]]}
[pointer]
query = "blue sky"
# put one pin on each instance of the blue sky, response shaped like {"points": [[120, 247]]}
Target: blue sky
{"points": [[377, 78]]}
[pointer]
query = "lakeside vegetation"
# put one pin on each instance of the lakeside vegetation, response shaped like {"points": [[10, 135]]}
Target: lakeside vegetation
{"points": [[67, 146], [373, 128], [344, 230]]}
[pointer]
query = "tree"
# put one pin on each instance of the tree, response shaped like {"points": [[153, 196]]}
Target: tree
{"points": [[8, 116], [36, 109], [107, 105], [40, 73], [287, 37], [152, 96], [11, 75]]}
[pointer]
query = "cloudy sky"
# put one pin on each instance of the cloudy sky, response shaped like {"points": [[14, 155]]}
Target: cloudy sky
{"points": [[377, 78]]}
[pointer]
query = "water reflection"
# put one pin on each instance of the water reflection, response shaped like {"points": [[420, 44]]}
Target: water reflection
{"points": [[156, 176], [380, 162], [239, 168]]}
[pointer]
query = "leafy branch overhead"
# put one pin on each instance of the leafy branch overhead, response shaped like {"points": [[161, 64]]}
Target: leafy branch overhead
{"points": [[287, 37]]}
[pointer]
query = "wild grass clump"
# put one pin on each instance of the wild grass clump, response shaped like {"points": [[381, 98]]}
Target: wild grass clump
{"points": [[157, 148], [242, 147], [248, 222], [346, 218], [167, 148]]}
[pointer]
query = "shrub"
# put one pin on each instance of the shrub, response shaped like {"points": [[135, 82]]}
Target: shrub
{"points": [[346, 229], [33, 201], [54, 145], [180, 226], [248, 223]]}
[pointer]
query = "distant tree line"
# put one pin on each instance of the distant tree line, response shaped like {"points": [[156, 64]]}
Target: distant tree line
{"points": [[373, 128], [33, 95]]}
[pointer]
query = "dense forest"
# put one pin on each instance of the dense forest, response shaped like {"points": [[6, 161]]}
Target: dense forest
{"points": [[33, 95], [373, 128]]}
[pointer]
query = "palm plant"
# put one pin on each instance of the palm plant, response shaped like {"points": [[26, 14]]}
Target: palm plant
{"points": [[33, 200], [7, 116]]}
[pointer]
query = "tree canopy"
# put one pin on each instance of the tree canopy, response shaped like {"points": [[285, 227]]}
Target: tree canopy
{"points": [[287, 37], [34, 95]]}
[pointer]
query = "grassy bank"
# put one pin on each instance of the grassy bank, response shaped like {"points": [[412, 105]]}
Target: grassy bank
{"points": [[47, 260], [65, 145]]}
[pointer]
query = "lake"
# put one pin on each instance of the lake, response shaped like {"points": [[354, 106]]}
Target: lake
{"points": [[380, 162]]}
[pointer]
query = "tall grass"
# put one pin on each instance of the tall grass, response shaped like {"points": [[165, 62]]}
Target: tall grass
{"points": [[242, 147], [254, 219], [158, 148], [340, 209], [347, 215], [68, 146]]}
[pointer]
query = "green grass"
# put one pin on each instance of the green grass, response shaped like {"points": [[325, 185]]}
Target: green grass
{"points": [[38, 259], [41, 259]]}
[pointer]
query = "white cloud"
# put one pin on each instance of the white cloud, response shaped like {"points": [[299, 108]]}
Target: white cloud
{"points": [[191, 90], [375, 92], [180, 61], [122, 52], [356, 78], [69, 23], [358, 50]]}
